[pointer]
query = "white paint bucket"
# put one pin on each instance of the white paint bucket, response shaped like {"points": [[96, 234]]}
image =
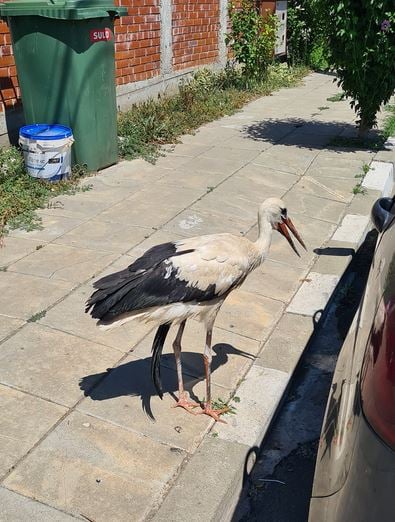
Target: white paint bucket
{"points": [[47, 150]]}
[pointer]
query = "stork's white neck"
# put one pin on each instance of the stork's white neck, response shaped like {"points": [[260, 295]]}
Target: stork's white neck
{"points": [[265, 231]]}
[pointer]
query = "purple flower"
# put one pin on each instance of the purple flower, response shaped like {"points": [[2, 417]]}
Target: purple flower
{"points": [[385, 25]]}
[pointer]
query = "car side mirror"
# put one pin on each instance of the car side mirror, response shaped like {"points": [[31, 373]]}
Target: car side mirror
{"points": [[381, 212]]}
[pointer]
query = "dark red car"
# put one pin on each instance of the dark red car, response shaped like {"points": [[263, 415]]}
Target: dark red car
{"points": [[355, 470]]}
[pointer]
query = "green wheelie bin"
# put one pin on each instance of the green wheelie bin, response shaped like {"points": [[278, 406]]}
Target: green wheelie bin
{"points": [[64, 54]]}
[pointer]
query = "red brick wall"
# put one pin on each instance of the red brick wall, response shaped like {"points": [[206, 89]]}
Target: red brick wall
{"points": [[137, 42], [195, 32], [9, 89]]}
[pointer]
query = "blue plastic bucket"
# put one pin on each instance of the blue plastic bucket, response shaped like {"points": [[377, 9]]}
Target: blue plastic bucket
{"points": [[47, 150]]}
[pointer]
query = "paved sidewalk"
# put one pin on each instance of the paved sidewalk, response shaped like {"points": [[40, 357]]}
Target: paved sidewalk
{"points": [[77, 440]]}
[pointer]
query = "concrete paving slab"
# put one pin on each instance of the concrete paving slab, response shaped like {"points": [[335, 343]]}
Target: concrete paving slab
{"points": [[231, 154], [68, 316], [104, 236], [167, 201], [87, 204], [334, 258], [53, 226], [112, 184], [188, 149], [129, 176], [16, 248], [260, 177], [8, 325], [24, 421], [362, 203], [207, 135], [274, 280], [49, 363], [127, 398], [286, 344], [313, 206], [235, 207], [338, 170], [287, 158], [22, 296], [218, 164], [194, 179], [314, 294], [245, 143], [337, 189], [250, 315], [255, 192], [172, 162], [270, 129], [193, 222], [209, 486], [319, 127], [386, 155], [310, 142], [20, 509], [84, 464], [258, 398], [352, 229], [61, 262], [347, 153]]}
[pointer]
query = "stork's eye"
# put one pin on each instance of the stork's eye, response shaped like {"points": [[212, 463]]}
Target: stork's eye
{"points": [[284, 212]]}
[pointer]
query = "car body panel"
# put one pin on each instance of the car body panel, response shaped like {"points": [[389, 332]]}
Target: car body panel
{"points": [[344, 434]]}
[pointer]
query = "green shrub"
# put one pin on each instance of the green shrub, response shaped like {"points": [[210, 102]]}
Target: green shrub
{"points": [[306, 43], [361, 38], [252, 39]]}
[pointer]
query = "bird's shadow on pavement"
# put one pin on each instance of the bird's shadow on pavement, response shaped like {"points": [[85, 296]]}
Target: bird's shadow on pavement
{"points": [[133, 378]]}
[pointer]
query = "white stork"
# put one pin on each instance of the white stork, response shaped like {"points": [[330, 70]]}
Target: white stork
{"points": [[184, 279]]}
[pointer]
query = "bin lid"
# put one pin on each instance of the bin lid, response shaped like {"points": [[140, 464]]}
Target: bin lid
{"points": [[45, 131], [62, 9]]}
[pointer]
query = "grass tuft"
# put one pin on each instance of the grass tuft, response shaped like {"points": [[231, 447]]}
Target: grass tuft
{"points": [[389, 123], [336, 97]]}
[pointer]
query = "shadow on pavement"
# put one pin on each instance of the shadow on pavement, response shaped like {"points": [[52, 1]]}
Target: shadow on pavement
{"points": [[312, 134], [133, 378]]}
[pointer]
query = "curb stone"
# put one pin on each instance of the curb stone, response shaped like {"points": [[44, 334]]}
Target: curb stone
{"points": [[228, 453]]}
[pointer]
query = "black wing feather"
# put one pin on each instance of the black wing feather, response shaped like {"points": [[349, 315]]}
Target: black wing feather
{"points": [[144, 284]]}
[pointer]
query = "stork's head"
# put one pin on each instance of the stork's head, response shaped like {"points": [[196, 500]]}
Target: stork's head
{"points": [[275, 211]]}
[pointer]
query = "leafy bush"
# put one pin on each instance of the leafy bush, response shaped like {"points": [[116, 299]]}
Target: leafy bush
{"points": [[361, 38], [305, 34], [252, 39]]}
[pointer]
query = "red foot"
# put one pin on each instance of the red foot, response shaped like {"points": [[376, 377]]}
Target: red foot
{"points": [[186, 403], [208, 410]]}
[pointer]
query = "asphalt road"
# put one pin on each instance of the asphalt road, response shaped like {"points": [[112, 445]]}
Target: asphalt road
{"points": [[280, 485]]}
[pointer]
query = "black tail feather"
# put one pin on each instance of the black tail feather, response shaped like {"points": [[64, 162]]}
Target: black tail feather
{"points": [[157, 347]]}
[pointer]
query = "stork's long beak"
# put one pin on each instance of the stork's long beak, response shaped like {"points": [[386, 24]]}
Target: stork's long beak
{"points": [[282, 228]]}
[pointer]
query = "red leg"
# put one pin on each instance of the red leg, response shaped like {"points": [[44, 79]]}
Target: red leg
{"points": [[208, 409], [183, 396]]}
